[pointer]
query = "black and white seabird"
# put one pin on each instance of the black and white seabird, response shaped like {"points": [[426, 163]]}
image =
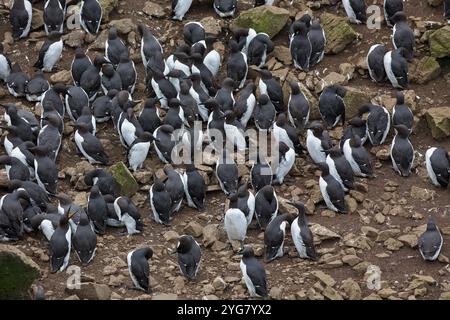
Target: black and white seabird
{"points": [[402, 114], [438, 166], [91, 80], [85, 240], [86, 117], [45, 169], [111, 79], [160, 202], [332, 191], [402, 151], [286, 160], [235, 224], [194, 187], [317, 142], [270, 86], [298, 107], [258, 49], [127, 213], [53, 16], [139, 150], [76, 98], [261, 173], [97, 210], [266, 206], [127, 72], [430, 242], [149, 117], [89, 145], [300, 46], [50, 52], [355, 10], [356, 126], [396, 67], [164, 142], [254, 274], [80, 63], [318, 40], [358, 157], [340, 168], [105, 181], [224, 95], [332, 106], [151, 51], [264, 113], [15, 169], [60, 245], [391, 7], [138, 268], [189, 256], [175, 187], [237, 67], [50, 136], [20, 17], [36, 87], [243, 200], [114, 47], [225, 8], [378, 123], [91, 13], [180, 8], [402, 35], [227, 173], [5, 65], [301, 234], [17, 81], [274, 236], [245, 104], [284, 132], [13, 117], [375, 62]]}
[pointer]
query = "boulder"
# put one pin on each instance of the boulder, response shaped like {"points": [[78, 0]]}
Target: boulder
{"points": [[194, 229], [153, 10], [63, 76], [283, 54], [354, 99], [438, 120], [123, 26], [351, 289], [322, 233], [424, 70], [440, 42], [268, 19], [127, 184], [107, 7], [17, 273], [338, 33]]}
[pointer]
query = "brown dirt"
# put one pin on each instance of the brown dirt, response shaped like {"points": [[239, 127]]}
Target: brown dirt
{"points": [[286, 272]]}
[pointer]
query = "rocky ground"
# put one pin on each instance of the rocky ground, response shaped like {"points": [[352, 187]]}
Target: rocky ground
{"points": [[387, 214]]}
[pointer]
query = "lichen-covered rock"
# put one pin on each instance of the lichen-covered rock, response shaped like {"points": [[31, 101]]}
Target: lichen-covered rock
{"points": [[338, 32], [424, 70], [127, 184], [123, 26], [438, 120], [268, 19], [440, 42], [154, 10], [108, 6], [63, 76], [212, 25], [354, 99], [17, 273]]}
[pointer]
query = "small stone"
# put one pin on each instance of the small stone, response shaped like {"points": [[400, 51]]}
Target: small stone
{"points": [[331, 294], [219, 284], [323, 277], [153, 10], [165, 296], [194, 229], [351, 289], [276, 293], [409, 239], [393, 244], [171, 235], [422, 194], [380, 218], [351, 260]]}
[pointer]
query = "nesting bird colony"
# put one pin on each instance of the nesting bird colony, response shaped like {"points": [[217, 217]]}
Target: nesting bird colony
{"points": [[227, 149]]}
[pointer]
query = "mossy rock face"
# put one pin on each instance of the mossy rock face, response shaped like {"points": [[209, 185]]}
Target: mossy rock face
{"points": [[127, 184], [268, 19], [354, 99], [438, 120], [440, 42], [426, 69], [338, 33], [107, 7], [17, 273]]}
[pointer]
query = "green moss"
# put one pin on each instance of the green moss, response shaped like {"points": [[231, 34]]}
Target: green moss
{"points": [[16, 277], [353, 100], [440, 42], [127, 184], [338, 33], [263, 19]]}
